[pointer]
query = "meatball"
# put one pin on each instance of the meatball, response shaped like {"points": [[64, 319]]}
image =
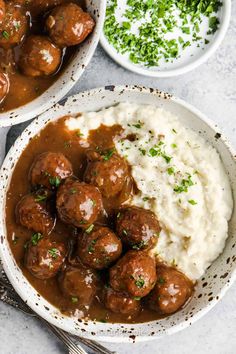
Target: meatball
{"points": [[49, 169], [39, 6], [99, 247], [4, 85], [32, 212], [43, 257], [107, 171], [138, 228], [78, 203], [39, 57], [69, 25], [171, 291], [2, 10], [134, 273], [79, 283], [122, 303], [13, 27]]}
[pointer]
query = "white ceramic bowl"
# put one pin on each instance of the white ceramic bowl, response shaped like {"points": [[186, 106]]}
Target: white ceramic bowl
{"points": [[192, 58], [210, 288], [67, 79]]}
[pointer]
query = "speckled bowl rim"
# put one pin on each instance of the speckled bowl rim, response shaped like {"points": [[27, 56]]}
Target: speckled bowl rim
{"points": [[98, 331], [207, 53], [66, 80]]}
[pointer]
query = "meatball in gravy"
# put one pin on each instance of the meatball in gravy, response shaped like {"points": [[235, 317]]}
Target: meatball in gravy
{"points": [[32, 212], [138, 228], [78, 203], [49, 169], [99, 248], [13, 26], [44, 258], [171, 291], [134, 273], [79, 283], [122, 303], [39, 57], [69, 25], [108, 171]]}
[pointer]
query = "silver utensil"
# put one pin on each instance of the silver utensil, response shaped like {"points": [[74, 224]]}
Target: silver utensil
{"points": [[9, 296]]}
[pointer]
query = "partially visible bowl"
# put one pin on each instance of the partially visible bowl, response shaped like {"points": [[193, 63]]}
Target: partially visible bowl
{"points": [[190, 61], [67, 79], [210, 288]]}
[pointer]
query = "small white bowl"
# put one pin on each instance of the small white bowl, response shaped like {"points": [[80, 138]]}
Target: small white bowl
{"points": [[192, 58], [68, 77], [210, 288]]}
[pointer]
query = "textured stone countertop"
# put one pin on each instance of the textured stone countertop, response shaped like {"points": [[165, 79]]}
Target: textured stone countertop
{"points": [[212, 89]]}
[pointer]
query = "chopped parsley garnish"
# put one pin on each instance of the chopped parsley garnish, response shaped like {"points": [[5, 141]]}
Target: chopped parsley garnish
{"points": [[157, 150], [138, 125], [138, 246], [55, 181], [161, 280], [118, 215], [40, 198], [36, 238], [174, 131], [145, 199], [140, 282], [91, 246], [79, 134], [170, 171], [184, 185], [193, 202], [53, 252], [73, 190], [89, 229], [74, 299], [146, 33], [108, 154], [174, 146], [124, 232], [5, 34], [138, 298]]}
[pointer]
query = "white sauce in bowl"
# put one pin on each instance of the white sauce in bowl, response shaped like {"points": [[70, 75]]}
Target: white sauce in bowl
{"points": [[180, 177]]}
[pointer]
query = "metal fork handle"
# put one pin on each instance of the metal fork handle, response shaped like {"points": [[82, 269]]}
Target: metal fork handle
{"points": [[65, 338]]}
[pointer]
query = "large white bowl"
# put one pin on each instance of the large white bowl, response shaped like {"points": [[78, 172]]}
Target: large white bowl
{"points": [[191, 59], [68, 77], [218, 278]]}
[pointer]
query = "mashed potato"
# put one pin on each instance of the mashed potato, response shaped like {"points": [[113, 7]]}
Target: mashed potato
{"points": [[180, 178]]}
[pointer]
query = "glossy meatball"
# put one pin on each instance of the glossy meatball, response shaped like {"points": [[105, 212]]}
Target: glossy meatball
{"points": [[99, 247], [49, 169], [78, 203], [39, 57], [43, 257], [122, 303], [4, 85], [69, 25], [171, 291], [79, 283], [107, 171], [13, 27], [32, 212], [41, 6], [2, 10], [138, 228], [134, 273]]}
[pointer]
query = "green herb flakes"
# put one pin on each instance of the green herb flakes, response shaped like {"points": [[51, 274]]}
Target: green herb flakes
{"points": [[146, 32], [89, 229], [53, 252], [193, 202], [55, 181], [36, 238]]}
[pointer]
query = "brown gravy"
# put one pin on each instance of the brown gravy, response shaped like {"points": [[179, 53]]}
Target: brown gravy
{"points": [[24, 89], [56, 138]]}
